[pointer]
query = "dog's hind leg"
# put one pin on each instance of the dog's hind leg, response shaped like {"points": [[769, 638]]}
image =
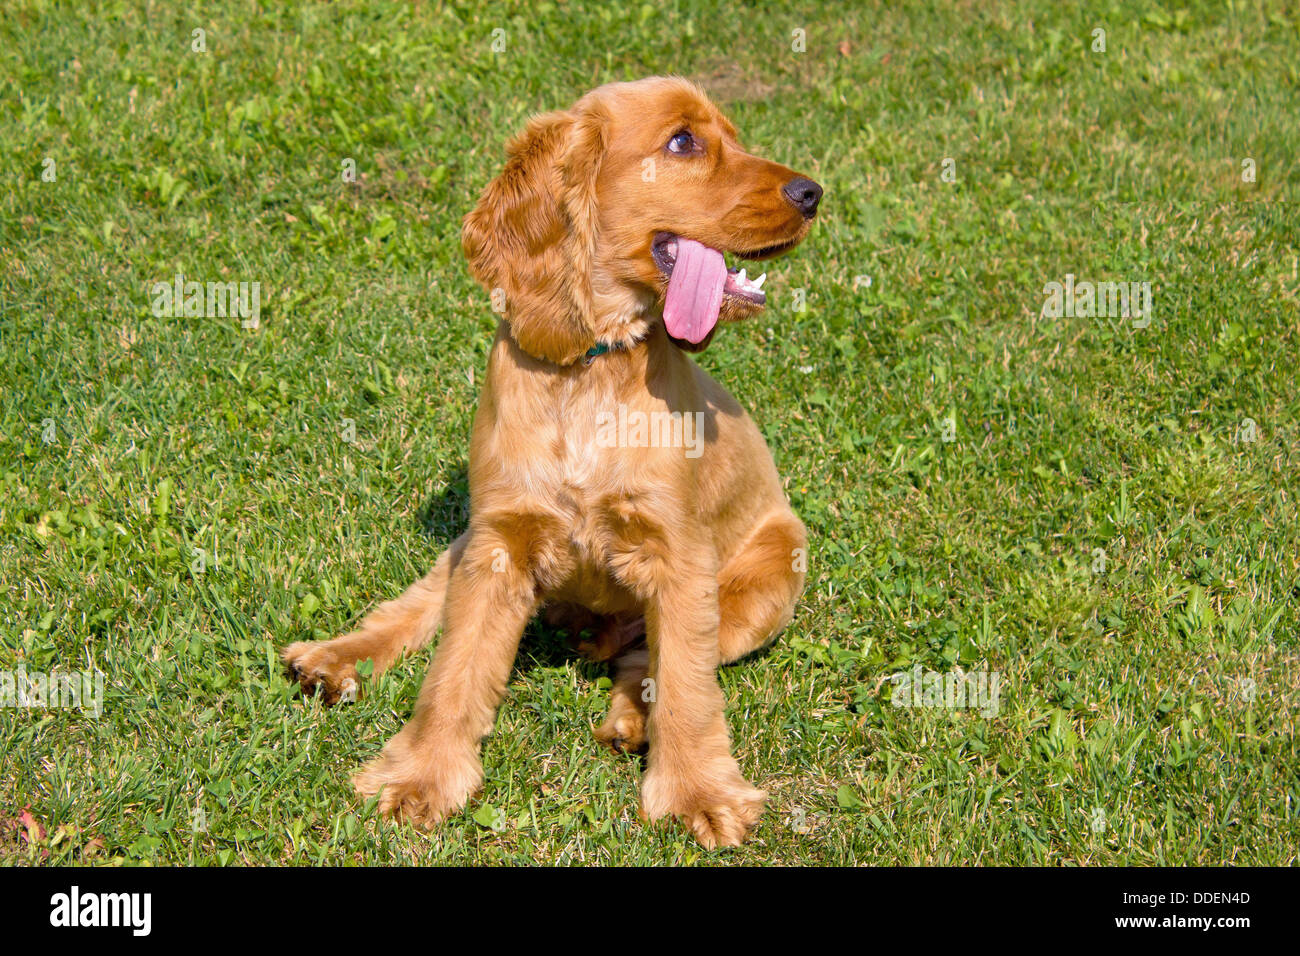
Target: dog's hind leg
{"points": [[624, 729], [759, 586], [619, 639], [406, 623]]}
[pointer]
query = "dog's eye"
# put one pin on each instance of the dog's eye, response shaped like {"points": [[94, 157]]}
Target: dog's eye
{"points": [[681, 143]]}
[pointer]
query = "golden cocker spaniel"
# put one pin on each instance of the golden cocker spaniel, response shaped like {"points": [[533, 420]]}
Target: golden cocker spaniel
{"points": [[611, 480]]}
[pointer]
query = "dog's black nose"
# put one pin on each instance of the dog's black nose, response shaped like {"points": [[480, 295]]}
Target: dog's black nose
{"points": [[805, 194]]}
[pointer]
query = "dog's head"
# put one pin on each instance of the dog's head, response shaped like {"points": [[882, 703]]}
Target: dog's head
{"points": [[619, 211]]}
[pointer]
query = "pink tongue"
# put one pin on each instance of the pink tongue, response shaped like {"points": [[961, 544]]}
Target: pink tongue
{"points": [[694, 291]]}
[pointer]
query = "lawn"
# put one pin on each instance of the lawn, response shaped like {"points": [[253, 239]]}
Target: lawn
{"points": [[1098, 513]]}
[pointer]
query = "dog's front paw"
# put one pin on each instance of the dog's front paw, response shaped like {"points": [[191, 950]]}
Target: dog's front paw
{"points": [[720, 812], [419, 789], [320, 671]]}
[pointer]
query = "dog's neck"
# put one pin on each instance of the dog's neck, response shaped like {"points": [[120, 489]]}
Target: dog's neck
{"points": [[623, 321], [623, 316], [634, 352]]}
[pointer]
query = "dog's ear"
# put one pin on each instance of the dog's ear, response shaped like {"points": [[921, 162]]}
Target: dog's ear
{"points": [[532, 237]]}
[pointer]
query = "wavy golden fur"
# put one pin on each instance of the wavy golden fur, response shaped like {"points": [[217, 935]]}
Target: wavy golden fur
{"points": [[675, 563]]}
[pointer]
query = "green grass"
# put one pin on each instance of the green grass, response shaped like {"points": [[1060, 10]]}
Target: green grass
{"points": [[1126, 691]]}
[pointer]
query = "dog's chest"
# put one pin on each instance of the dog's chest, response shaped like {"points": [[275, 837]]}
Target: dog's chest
{"points": [[587, 447], [590, 459], [583, 447]]}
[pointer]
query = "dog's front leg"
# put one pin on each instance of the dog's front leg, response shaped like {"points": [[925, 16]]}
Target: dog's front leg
{"points": [[692, 774], [431, 768]]}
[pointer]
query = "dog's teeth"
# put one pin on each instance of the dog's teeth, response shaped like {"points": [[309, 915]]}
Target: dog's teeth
{"points": [[758, 283], [740, 278]]}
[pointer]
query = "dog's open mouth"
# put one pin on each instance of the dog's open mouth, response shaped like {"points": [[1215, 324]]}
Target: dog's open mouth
{"points": [[699, 279]]}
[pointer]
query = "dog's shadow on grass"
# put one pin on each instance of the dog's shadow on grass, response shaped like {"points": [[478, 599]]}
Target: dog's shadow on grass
{"points": [[444, 517]]}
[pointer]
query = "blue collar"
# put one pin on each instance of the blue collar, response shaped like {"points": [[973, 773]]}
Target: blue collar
{"points": [[600, 348]]}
